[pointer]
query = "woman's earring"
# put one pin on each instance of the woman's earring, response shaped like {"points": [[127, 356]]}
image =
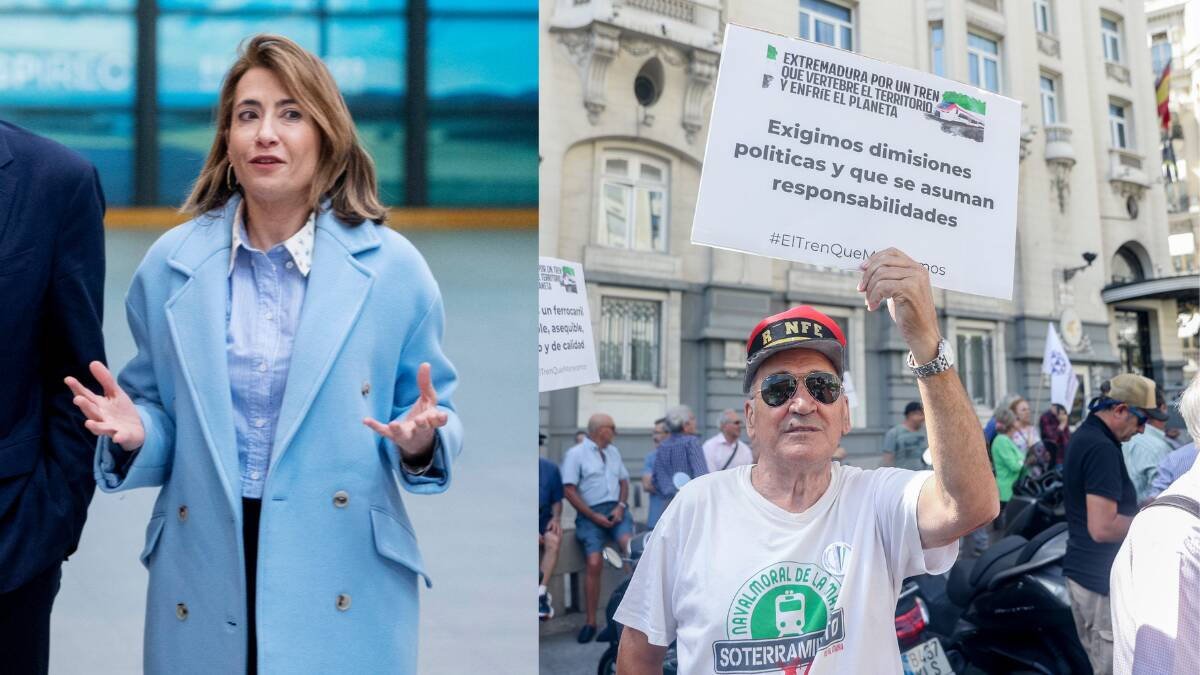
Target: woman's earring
{"points": [[229, 178]]}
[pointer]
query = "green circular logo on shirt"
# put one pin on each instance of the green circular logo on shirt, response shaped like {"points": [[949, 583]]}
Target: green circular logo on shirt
{"points": [[780, 619], [786, 598]]}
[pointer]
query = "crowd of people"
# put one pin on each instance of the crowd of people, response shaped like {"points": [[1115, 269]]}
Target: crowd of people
{"points": [[1112, 464], [593, 478]]}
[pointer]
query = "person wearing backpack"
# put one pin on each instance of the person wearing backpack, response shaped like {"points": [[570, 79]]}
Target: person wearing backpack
{"points": [[1155, 614]]}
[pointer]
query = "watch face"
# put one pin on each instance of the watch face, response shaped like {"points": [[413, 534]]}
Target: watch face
{"points": [[948, 351]]}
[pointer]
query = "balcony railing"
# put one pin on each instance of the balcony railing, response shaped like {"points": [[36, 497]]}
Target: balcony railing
{"points": [[692, 22], [995, 5], [683, 10]]}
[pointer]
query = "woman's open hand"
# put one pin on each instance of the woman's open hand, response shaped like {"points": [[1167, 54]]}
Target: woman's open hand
{"points": [[414, 434], [110, 414]]}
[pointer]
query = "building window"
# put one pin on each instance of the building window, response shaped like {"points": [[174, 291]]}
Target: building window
{"points": [[633, 202], [937, 48], [1181, 244], [1118, 121], [1160, 52], [1133, 342], [975, 349], [983, 62], [1110, 32], [1041, 16], [1126, 268], [629, 344], [827, 23], [1049, 100]]}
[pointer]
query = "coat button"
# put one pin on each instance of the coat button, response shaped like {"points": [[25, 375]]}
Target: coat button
{"points": [[343, 602], [340, 499], [181, 611], [183, 513], [366, 388]]}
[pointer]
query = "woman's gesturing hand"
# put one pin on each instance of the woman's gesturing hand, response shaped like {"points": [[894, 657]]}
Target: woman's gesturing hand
{"points": [[414, 434], [110, 414]]}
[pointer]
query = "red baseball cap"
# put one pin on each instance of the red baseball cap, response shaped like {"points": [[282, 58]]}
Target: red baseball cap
{"points": [[800, 327]]}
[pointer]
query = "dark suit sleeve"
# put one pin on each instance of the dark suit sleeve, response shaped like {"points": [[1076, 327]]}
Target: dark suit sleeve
{"points": [[72, 338]]}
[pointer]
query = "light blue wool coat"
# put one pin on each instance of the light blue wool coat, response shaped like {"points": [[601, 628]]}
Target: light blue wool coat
{"points": [[372, 313]]}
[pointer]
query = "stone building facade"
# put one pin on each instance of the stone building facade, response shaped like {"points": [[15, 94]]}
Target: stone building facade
{"points": [[626, 89]]}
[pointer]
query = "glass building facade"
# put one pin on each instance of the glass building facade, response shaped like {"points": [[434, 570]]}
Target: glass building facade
{"points": [[444, 92]]}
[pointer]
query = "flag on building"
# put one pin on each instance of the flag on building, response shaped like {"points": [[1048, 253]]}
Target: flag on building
{"points": [[1162, 95], [1057, 365]]}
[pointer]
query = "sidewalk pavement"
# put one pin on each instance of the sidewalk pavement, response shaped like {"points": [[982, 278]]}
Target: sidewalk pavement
{"points": [[562, 655]]}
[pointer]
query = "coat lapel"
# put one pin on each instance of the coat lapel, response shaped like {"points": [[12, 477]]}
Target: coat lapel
{"points": [[196, 316], [338, 286]]}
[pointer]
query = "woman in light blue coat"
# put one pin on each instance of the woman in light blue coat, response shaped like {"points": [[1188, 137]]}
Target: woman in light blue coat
{"points": [[273, 331]]}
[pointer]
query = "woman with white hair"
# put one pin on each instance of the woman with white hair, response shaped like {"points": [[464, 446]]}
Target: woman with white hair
{"points": [[1155, 619]]}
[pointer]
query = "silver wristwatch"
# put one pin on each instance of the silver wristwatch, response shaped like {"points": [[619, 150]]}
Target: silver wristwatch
{"points": [[942, 362]]}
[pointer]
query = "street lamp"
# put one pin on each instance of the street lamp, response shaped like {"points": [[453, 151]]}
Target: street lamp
{"points": [[1088, 259]]}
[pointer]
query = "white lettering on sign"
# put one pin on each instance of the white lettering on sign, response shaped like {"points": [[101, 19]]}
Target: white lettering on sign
{"points": [[65, 71]]}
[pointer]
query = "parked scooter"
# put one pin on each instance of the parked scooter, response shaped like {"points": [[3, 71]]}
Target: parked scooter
{"points": [[1016, 608], [612, 630], [1036, 504]]}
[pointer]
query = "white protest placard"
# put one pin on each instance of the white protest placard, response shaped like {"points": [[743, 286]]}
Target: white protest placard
{"points": [[824, 156], [566, 352]]}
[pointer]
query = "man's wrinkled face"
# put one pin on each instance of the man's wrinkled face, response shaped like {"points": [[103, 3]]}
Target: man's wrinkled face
{"points": [[802, 429]]}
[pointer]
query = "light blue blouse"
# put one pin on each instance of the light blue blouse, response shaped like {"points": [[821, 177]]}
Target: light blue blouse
{"points": [[266, 292]]}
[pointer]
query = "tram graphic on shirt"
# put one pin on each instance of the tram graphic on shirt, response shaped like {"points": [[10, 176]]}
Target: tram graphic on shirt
{"points": [[782, 619]]}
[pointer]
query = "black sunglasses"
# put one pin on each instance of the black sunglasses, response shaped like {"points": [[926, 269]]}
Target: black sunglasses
{"points": [[779, 388]]}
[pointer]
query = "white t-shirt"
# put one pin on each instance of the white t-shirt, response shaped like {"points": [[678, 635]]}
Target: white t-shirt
{"points": [[1153, 589], [743, 586]]}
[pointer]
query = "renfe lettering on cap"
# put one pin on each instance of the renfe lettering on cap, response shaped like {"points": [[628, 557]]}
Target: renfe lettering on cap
{"points": [[795, 328]]}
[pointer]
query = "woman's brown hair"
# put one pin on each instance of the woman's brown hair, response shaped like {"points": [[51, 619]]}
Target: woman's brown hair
{"points": [[345, 172]]}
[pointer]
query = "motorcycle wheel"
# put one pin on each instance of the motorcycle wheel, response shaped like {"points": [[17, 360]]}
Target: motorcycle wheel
{"points": [[608, 662]]}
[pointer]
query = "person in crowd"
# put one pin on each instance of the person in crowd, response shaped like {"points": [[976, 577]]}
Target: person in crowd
{"points": [[1176, 437], [284, 276], [747, 565], [1175, 464], [679, 453], [579, 436], [1008, 461], [1146, 450], [550, 496], [1056, 432], [1100, 502], [726, 449], [1155, 617], [52, 285], [904, 443], [657, 503], [596, 483], [1024, 433], [989, 429]]}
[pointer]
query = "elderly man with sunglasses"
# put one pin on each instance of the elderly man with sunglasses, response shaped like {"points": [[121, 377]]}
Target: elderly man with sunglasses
{"points": [[1101, 501], [794, 564]]}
